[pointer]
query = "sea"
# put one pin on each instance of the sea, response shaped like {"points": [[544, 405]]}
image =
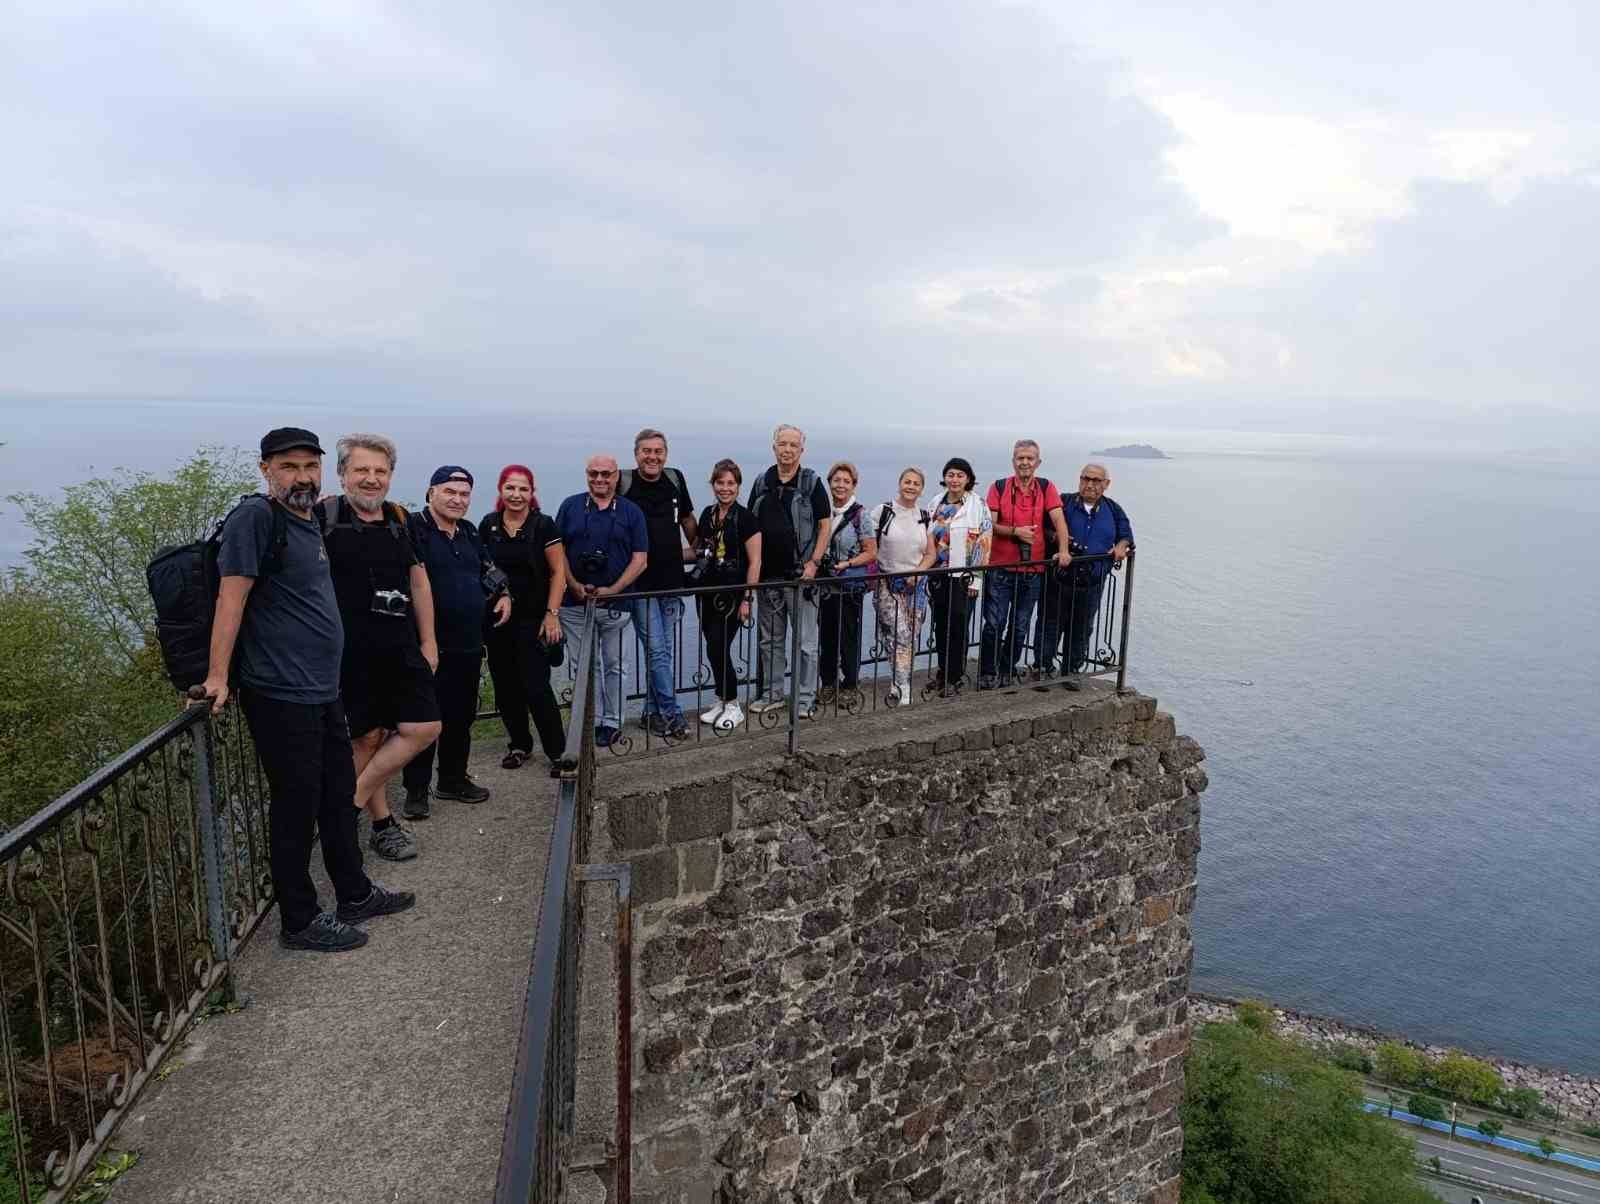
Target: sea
{"points": [[1390, 654]]}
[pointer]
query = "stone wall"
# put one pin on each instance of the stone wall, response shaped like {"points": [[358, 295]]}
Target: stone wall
{"points": [[942, 954]]}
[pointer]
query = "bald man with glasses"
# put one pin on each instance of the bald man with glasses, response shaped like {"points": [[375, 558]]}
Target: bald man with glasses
{"points": [[1096, 526]]}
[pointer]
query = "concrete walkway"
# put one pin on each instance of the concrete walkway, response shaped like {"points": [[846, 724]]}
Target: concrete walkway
{"points": [[376, 1076]]}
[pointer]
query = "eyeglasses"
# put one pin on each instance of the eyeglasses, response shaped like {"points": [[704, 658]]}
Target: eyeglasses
{"points": [[1094, 480]]}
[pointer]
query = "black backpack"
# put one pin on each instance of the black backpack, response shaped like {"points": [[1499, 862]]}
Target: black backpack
{"points": [[1051, 544], [183, 582]]}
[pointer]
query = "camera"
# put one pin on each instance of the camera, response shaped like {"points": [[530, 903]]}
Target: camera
{"points": [[828, 566], [593, 561], [696, 572], [391, 602]]}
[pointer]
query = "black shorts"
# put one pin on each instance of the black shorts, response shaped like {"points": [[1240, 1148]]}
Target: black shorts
{"points": [[388, 688]]}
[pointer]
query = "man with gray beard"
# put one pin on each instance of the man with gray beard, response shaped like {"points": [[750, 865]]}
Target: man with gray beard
{"points": [[276, 608], [390, 654]]}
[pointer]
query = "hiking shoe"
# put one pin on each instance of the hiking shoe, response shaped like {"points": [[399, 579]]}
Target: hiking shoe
{"points": [[325, 934], [381, 901], [467, 791], [762, 705], [988, 681], [416, 804], [677, 728], [393, 843], [514, 759]]}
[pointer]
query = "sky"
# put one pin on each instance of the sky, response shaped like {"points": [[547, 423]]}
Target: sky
{"points": [[1283, 215]]}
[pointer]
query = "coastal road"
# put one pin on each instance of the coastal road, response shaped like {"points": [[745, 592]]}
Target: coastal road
{"points": [[1508, 1170]]}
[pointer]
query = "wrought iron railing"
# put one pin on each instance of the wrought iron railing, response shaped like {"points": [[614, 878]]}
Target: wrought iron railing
{"points": [[124, 901], [540, 1112], [1087, 607]]}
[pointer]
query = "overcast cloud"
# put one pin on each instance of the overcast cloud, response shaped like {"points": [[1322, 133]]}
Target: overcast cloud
{"points": [[1232, 211]]}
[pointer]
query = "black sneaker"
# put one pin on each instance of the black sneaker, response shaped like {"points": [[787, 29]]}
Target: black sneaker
{"points": [[416, 804], [381, 902], [466, 791], [393, 843], [325, 934]]}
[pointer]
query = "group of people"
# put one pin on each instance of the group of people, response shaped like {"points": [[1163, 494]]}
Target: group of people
{"points": [[356, 631]]}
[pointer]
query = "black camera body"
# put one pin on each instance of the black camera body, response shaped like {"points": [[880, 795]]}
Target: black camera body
{"points": [[828, 566], [593, 561]]}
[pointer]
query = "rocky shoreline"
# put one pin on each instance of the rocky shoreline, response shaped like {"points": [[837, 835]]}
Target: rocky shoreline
{"points": [[1577, 1095]]}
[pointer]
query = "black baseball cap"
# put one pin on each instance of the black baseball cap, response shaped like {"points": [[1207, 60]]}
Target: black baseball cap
{"points": [[287, 438]]}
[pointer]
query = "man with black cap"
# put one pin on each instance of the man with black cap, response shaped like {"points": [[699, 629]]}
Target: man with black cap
{"points": [[462, 576], [276, 608]]}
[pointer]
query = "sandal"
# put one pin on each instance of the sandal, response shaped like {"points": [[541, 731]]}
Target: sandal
{"points": [[513, 759]]}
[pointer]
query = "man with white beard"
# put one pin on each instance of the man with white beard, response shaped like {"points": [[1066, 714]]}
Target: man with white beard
{"points": [[390, 654]]}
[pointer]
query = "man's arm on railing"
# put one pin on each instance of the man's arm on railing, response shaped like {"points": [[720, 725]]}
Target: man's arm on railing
{"points": [[231, 595]]}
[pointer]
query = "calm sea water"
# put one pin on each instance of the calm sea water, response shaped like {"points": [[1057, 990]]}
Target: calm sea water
{"points": [[1390, 657]]}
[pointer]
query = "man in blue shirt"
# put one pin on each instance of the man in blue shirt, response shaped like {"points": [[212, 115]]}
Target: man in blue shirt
{"points": [[1096, 526], [607, 546], [463, 579]]}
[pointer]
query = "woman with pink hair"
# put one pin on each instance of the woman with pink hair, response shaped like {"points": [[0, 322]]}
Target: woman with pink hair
{"points": [[524, 543]]}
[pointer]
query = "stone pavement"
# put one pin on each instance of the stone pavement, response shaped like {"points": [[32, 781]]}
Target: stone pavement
{"points": [[380, 1075]]}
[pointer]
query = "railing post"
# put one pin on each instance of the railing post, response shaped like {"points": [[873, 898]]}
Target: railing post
{"points": [[1127, 617], [203, 773], [622, 874], [796, 602]]}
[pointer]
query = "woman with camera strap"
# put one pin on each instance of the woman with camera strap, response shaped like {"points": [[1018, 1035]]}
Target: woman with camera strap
{"points": [[852, 547], [727, 553], [524, 544]]}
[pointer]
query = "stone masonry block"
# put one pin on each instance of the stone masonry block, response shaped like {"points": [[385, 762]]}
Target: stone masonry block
{"points": [[700, 865], [678, 1150], [978, 739], [655, 876], [694, 813], [635, 823]]}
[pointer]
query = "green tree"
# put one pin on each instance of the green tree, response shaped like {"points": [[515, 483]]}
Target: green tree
{"points": [[1467, 1079], [1521, 1102], [1490, 1127], [1425, 1106], [1547, 1147], [1268, 1121], [1400, 1064], [93, 544]]}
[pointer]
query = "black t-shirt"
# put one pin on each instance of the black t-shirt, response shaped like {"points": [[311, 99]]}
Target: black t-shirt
{"points": [[521, 557], [366, 557], [664, 501], [780, 555], [725, 540]]}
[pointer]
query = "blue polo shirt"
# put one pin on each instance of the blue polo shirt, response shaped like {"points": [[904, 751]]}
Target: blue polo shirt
{"points": [[617, 532], [455, 575]]}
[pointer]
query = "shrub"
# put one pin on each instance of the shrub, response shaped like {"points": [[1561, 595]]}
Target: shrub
{"points": [[1254, 1014], [1350, 1057]]}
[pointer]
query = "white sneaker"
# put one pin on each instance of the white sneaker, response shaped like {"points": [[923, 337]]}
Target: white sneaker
{"points": [[730, 718], [713, 714], [763, 705]]}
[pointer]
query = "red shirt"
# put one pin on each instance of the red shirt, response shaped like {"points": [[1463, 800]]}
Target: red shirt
{"points": [[1016, 507]]}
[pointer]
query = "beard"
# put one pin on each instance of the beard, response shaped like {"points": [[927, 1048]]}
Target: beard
{"points": [[297, 497], [367, 505]]}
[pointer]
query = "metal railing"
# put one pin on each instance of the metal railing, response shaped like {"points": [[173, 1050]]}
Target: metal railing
{"points": [[867, 642], [540, 1113], [124, 902]]}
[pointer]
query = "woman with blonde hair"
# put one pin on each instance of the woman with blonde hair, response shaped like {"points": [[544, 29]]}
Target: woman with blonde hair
{"points": [[852, 548], [905, 548]]}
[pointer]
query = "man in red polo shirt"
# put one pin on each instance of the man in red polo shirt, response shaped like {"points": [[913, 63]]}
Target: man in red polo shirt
{"points": [[1026, 509]]}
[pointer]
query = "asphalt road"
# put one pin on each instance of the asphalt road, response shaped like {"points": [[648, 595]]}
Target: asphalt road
{"points": [[1508, 1170], [1454, 1193]]}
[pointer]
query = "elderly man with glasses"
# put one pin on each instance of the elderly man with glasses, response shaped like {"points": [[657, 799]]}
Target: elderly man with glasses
{"points": [[607, 544], [1096, 526]]}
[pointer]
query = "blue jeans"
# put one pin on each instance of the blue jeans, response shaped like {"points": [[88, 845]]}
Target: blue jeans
{"points": [[608, 664], [1008, 602], [655, 623]]}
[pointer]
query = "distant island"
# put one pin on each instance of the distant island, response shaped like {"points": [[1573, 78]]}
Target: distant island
{"points": [[1134, 451]]}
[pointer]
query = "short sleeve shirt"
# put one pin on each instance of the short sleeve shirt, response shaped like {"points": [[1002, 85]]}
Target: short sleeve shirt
{"points": [[665, 502], [1013, 507], [617, 533], [291, 638], [521, 557]]}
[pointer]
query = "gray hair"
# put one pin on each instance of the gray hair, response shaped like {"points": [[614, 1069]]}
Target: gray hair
{"points": [[648, 433], [377, 443], [786, 426], [1022, 443]]}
